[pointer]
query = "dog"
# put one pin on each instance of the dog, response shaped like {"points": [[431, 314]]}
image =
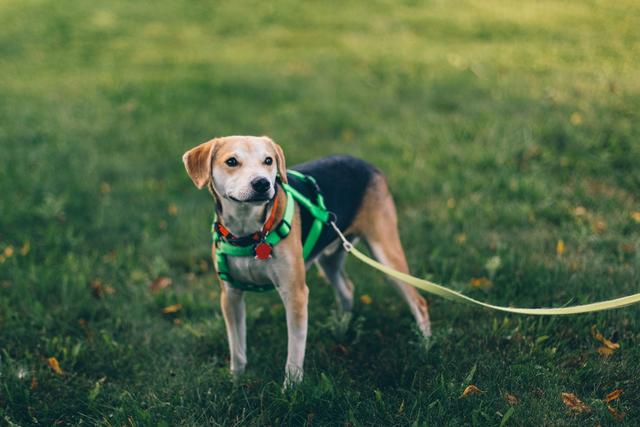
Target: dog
{"points": [[246, 176]]}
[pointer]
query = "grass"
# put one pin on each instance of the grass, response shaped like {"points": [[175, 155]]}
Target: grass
{"points": [[503, 127]]}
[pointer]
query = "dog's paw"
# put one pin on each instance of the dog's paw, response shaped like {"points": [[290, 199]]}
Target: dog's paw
{"points": [[425, 329], [292, 378], [236, 373]]}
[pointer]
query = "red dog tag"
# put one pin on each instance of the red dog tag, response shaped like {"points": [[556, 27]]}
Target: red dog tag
{"points": [[262, 250]]}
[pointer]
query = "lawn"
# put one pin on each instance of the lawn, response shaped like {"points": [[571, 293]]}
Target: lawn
{"points": [[509, 133]]}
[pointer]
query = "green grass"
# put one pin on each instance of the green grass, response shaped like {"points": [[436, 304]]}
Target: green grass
{"points": [[493, 121]]}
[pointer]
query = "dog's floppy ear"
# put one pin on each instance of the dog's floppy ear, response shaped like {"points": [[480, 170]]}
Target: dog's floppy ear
{"points": [[280, 163], [197, 161]]}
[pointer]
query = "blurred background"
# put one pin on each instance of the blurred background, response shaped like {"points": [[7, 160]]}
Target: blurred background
{"points": [[509, 135]]}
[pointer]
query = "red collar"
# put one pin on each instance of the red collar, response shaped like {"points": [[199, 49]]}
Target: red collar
{"points": [[258, 235]]}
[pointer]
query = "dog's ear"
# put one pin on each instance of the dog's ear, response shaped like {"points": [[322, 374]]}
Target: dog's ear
{"points": [[197, 161], [280, 163]]}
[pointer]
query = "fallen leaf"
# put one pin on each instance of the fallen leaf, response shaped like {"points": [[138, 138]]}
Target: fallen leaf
{"points": [[627, 248], [511, 399], [366, 299], [560, 247], [572, 402], [607, 343], [469, 390], [172, 209], [615, 394], [605, 351], [174, 308], [478, 282], [461, 238], [600, 227], [580, 211], [26, 247], [8, 251], [96, 288], [575, 119], [159, 284], [635, 216], [99, 289], [617, 415], [54, 365]]}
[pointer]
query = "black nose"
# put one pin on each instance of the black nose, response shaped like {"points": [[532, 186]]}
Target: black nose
{"points": [[261, 185]]}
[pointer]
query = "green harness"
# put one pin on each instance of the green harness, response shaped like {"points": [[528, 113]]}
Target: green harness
{"points": [[318, 210]]}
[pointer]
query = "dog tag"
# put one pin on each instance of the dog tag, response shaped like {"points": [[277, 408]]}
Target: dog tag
{"points": [[262, 250]]}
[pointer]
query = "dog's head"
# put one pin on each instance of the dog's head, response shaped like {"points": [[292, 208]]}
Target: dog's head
{"points": [[239, 168]]}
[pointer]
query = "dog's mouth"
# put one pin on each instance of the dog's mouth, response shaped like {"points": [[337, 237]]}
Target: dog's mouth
{"points": [[258, 198]]}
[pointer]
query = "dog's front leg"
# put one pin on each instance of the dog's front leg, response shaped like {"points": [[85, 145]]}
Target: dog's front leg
{"points": [[295, 297], [233, 310]]}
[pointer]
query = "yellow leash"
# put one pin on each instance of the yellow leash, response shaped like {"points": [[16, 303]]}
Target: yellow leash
{"points": [[439, 290]]}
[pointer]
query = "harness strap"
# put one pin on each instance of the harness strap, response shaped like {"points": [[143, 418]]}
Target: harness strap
{"points": [[317, 210]]}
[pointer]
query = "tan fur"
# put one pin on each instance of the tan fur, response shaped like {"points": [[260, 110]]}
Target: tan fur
{"points": [[200, 160], [377, 222], [282, 166], [197, 161]]}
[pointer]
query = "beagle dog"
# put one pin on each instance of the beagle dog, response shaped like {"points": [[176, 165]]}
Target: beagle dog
{"points": [[245, 175]]}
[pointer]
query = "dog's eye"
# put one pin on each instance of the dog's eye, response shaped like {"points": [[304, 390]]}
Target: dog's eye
{"points": [[231, 162], [268, 161]]}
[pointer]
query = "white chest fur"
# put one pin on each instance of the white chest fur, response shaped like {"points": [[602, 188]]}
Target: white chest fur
{"points": [[247, 269]]}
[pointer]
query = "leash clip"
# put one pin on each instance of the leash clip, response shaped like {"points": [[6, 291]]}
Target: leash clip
{"points": [[346, 244]]}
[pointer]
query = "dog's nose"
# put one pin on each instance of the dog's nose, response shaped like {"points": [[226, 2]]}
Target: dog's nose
{"points": [[261, 185]]}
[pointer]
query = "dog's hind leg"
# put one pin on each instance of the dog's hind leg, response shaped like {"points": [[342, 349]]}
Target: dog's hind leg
{"points": [[377, 222], [331, 263]]}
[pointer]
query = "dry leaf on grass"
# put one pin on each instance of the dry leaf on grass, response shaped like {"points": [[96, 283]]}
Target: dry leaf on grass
{"points": [[580, 211], [480, 282], [575, 119], [572, 402], [100, 289], [159, 283], [605, 351], [54, 365], [469, 390], [607, 343], [600, 227], [26, 247], [635, 216], [366, 299], [174, 308], [615, 394], [560, 247], [8, 251], [617, 415], [511, 399]]}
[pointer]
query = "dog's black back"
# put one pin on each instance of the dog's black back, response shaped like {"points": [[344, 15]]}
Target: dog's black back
{"points": [[343, 181]]}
